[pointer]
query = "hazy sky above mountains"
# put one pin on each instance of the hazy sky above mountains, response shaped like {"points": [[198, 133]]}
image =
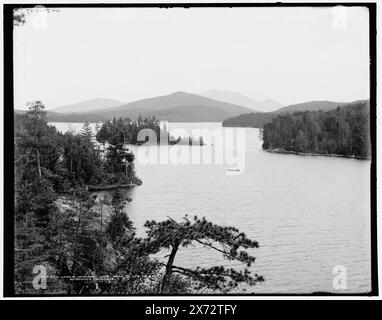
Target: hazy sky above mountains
{"points": [[288, 54]]}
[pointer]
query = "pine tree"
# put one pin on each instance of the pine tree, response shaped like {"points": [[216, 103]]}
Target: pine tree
{"points": [[120, 225], [225, 240], [36, 126], [86, 131]]}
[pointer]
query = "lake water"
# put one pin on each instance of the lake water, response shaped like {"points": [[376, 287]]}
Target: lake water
{"points": [[309, 214]]}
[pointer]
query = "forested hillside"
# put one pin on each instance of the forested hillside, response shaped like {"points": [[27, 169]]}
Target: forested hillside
{"points": [[250, 120], [259, 119], [342, 131]]}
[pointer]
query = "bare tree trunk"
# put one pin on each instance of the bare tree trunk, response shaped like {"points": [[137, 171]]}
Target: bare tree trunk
{"points": [[101, 214], [38, 164], [170, 262], [74, 266]]}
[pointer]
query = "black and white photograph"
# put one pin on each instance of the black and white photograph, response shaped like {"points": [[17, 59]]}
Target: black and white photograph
{"points": [[190, 150]]}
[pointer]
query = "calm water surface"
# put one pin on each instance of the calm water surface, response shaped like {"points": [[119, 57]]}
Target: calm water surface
{"points": [[309, 214]]}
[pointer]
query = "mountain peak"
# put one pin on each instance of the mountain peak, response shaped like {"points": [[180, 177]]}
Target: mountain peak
{"points": [[179, 93], [241, 99]]}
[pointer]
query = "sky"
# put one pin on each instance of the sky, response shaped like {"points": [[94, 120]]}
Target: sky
{"points": [[290, 55]]}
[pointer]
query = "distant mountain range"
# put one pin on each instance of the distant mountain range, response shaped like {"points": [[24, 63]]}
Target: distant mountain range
{"points": [[258, 119], [182, 107], [242, 100], [176, 107], [88, 105], [69, 117]]}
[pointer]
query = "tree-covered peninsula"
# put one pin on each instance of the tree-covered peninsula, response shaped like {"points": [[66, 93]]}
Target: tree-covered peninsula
{"points": [[343, 131]]}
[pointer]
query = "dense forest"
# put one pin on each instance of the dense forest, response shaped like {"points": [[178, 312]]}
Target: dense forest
{"points": [[124, 130], [342, 131], [69, 159], [61, 227]]}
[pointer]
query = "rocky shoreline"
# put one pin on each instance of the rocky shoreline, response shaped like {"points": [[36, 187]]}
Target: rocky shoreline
{"points": [[281, 150]]}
